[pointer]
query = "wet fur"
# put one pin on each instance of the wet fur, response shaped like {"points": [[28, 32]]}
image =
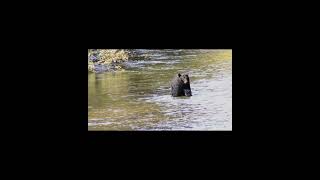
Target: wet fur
{"points": [[180, 86]]}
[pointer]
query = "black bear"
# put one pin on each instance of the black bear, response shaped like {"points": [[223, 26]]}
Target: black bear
{"points": [[180, 86]]}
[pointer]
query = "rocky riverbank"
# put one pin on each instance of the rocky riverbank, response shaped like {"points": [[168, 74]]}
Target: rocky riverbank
{"points": [[101, 60]]}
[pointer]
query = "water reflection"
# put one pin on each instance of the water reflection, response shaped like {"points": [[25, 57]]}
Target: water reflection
{"points": [[139, 98]]}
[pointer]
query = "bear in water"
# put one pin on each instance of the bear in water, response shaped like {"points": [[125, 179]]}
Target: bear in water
{"points": [[180, 86]]}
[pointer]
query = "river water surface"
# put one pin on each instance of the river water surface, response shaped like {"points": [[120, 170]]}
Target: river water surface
{"points": [[139, 97]]}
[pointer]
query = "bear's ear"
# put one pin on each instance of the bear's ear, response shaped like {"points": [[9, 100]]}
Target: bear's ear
{"points": [[179, 75]]}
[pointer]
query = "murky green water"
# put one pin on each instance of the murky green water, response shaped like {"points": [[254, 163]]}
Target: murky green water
{"points": [[139, 98]]}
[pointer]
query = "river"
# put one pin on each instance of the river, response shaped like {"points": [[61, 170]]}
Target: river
{"points": [[139, 97]]}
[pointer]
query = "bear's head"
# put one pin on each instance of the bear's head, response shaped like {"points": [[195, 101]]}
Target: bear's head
{"points": [[184, 78]]}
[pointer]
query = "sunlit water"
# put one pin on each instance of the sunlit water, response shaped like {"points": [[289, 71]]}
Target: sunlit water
{"points": [[139, 98]]}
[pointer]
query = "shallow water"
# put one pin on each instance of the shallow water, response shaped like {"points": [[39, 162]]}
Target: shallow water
{"points": [[139, 98]]}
